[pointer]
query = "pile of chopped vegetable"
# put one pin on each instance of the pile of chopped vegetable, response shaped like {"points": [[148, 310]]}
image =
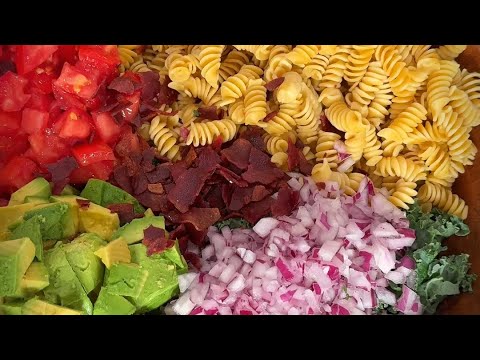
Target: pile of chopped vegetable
{"points": [[334, 254]]}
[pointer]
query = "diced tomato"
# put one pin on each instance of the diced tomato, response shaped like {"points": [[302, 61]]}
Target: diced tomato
{"points": [[47, 148], [94, 54], [75, 124], [99, 100], [41, 81], [11, 146], [34, 121], [100, 170], [12, 94], [87, 154], [74, 81], [28, 57], [65, 99], [133, 75], [106, 127], [16, 173], [10, 122], [40, 102], [130, 112], [67, 53]]}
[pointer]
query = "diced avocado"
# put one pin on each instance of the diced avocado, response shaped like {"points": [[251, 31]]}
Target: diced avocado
{"points": [[126, 280], [138, 253], [115, 252], [36, 200], [40, 307], [149, 213], [110, 304], [31, 228], [104, 194], [34, 280], [161, 285], [12, 215], [80, 255], [15, 258], [12, 308], [133, 231], [98, 220], [38, 187], [59, 220], [72, 201], [64, 288], [69, 190], [175, 256]]}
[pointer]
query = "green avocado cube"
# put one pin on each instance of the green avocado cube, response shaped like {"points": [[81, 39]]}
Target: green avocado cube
{"points": [[31, 228], [69, 190], [104, 194], [126, 280], [65, 288], [38, 187], [133, 231], [86, 265], [11, 216], [59, 220], [175, 256], [110, 304], [15, 258], [36, 200], [160, 286], [40, 307]]}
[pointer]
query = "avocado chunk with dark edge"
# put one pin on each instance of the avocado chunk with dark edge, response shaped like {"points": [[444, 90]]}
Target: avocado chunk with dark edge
{"points": [[104, 194], [133, 231], [11, 308], [110, 304], [65, 288], [38, 187]]}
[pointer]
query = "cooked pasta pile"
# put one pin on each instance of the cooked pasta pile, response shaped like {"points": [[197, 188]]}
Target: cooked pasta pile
{"points": [[403, 113]]}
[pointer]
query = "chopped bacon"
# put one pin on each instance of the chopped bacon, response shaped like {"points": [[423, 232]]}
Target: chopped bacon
{"points": [[210, 113], [155, 240], [125, 212], [184, 132], [293, 157], [60, 172], [156, 202], [286, 201], [275, 83], [156, 188], [231, 177], [238, 153], [256, 210], [200, 218], [167, 95], [139, 183], [260, 169], [160, 173], [270, 116], [187, 187], [83, 203], [150, 84], [123, 85]]}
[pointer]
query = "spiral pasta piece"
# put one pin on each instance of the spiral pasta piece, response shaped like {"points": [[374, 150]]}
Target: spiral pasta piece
{"points": [[461, 148], [402, 194], [139, 65], [209, 58], [316, 67], [337, 64], [232, 64], [325, 148], [426, 132], [236, 112], [401, 167], [470, 84], [127, 56], [235, 86], [405, 123], [187, 114], [180, 67], [443, 198], [437, 160], [369, 84], [358, 61], [461, 104], [450, 52], [343, 118], [289, 90], [396, 69], [255, 102], [281, 123], [195, 87], [278, 64], [328, 49], [391, 148], [164, 139], [373, 151], [438, 87], [355, 143], [301, 55], [308, 117], [261, 52], [205, 133]]}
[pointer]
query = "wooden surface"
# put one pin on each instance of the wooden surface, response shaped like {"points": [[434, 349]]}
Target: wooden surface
{"points": [[468, 187]]}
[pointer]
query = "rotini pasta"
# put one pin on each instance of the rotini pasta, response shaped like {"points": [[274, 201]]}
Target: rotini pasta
{"points": [[205, 133], [164, 139], [443, 198]]}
